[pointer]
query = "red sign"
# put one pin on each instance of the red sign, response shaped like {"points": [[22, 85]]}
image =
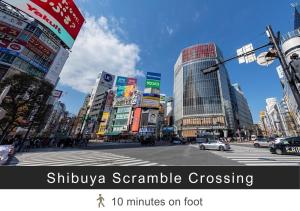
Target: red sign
{"points": [[199, 52], [65, 12], [8, 30], [131, 81], [136, 120], [35, 45]]}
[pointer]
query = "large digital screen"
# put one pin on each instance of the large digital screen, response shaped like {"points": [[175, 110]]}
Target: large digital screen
{"points": [[62, 17]]}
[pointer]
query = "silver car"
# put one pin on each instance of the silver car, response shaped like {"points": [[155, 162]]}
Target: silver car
{"points": [[262, 142], [214, 144]]}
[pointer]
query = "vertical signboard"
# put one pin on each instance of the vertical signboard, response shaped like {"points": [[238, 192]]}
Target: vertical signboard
{"points": [[136, 120], [57, 65]]}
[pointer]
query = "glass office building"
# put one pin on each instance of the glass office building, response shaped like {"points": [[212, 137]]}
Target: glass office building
{"points": [[202, 103]]}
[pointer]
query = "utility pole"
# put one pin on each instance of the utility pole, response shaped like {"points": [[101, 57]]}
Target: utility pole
{"points": [[275, 42]]}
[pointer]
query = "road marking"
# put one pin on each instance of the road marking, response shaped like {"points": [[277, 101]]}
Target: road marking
{"points": [[76, 158], [257, 157]]}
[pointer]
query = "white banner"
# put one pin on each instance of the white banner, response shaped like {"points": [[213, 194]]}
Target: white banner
{"points": [[57, 65]]}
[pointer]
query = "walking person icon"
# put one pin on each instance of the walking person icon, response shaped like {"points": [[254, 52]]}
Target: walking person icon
{"points": [[100, 199]]}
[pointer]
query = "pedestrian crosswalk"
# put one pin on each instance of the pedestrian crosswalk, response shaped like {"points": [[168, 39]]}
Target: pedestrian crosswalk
{"points": [[251, 156], [77, 158]]}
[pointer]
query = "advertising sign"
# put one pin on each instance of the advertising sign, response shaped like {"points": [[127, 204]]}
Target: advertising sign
{"points": [[121, 81], [151, 100], [9, 30], [57, 93], [120, 91], [15, 47], [122, 101], [12, 21], [49, 43], [131, 81], [57, 65], [162, 98], [152, 84], [153, 80], [136, 120], [62, 17], [34, 44], [153, 76], [153, 116], [25, 58], [107, 79], [129, 91]]}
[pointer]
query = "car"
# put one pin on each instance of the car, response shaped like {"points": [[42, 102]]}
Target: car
{"points": [[290, 145], [204, 138], [262, 142], [177, 140], [214, 144]]}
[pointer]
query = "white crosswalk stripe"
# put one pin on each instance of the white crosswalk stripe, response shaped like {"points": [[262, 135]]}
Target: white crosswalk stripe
{"points": [[77, 158], [251, 156]]}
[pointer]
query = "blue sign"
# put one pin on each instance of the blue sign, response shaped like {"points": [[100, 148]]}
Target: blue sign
{"points": [[30, 61], [121, 81], [153, 76]]}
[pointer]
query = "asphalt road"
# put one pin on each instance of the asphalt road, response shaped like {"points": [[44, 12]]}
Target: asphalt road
{"points": [[133, 154]]}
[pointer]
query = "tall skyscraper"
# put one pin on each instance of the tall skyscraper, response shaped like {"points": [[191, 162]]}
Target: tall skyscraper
{"points": [[243, 117], [202, 102], [97, 100]]}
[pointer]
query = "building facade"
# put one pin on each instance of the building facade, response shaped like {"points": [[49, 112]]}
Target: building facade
{"points": [[242, 114], [96, 104], [202, 102]]}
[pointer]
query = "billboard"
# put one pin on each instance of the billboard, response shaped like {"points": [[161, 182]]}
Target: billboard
{"points": [[151, 100], [12, 21], [152, 84], [153, 117], [125, 86], [107, 79], [162, 98], [57, 65], [121, 81], [62, 17], [104, 122], [136, 120], [153, 80]]}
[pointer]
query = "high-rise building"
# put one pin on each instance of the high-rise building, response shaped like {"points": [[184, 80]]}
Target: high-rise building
{"points": [[96, 105], [277, 119], [202, 102], [243, 117], [31, 45]]}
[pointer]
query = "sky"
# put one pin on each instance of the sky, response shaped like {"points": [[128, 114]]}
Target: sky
{"points": [[132, 37]]}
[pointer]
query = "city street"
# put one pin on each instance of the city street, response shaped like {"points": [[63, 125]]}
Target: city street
{"points": [[132, 154]]}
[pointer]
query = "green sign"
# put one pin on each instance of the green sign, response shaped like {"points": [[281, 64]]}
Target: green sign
{"points": [[152, 84]]}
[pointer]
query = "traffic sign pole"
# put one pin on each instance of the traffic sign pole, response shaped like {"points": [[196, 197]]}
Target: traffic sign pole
{"points": [[275, 42]]}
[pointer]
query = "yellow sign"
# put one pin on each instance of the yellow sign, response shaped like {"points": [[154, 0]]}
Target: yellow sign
{"points": [[103, 123]]}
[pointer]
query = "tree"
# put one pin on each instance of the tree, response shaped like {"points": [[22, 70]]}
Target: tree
{"points": [[26, 98]]}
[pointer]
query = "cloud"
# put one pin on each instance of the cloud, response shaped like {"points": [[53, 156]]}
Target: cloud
{"points": [[99, 48], [170, 30]]}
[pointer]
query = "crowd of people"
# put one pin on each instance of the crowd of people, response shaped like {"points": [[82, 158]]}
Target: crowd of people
{"points": [[20, 144]]}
